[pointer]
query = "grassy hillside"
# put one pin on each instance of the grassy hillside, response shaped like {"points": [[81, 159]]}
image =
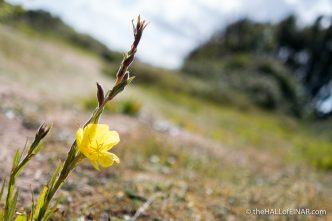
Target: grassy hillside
{"points": [[182, 154]]}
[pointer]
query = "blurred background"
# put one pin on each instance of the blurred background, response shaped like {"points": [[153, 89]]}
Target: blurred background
{"points": [[230, 108]]}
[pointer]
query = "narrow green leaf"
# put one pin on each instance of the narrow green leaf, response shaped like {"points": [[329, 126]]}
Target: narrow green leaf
{"points": [[55, 175], [21, 169], [118, 88], [31, 217], [2, 218], [11, 191], [21, 217], [12, 207], [41, 201], [52, 210], [16, 158], [24, 149], [38, 148], [34, 144], [2, 188], [9, 197], [58, 201]]}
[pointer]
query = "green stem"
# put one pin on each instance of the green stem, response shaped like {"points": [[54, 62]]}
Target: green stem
{"points": [[69, 165], [13, 175], [72, 160], [9, 194]]}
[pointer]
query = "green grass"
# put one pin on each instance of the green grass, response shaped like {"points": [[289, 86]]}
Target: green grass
{"points": [[126, 106], [188, 103], [38, 23], [153, 153], [286, 137]]}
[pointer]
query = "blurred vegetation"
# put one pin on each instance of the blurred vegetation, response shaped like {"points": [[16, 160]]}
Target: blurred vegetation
{"points": [[218, 82], [126, 106], [39, 22], [252, 129], [248, 64], [280, 66], [155, 77], [257, 80]]}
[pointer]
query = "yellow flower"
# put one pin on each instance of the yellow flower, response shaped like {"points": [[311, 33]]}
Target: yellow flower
{"points": [[94, 141]]}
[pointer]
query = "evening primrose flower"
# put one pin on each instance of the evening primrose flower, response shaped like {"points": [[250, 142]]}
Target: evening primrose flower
{"points": [[94, 141]]}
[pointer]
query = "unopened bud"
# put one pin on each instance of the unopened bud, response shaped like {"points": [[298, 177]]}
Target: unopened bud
{"points": [[126, 76], [100, 94], [43, 131]]}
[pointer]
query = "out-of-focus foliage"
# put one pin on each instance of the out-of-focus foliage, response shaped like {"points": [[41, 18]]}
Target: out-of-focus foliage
{"points": [[255, 79], [160, 78], [42, 22], [273, 65], [125, 106], [308, 52]]}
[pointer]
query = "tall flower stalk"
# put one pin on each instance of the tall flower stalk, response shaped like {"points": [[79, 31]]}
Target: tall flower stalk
{"points": [[93, 142], [19, 163]]}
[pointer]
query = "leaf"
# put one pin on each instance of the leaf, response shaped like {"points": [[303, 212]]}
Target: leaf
{"points": [[34, 144], [28, 158], [2, 188], [119, 87], [38, 148], [52, 210], [10, 192], [1, 215], [32, 206], [22, 166], [12, 207], [40, 201], [55, 175], [21, 217], [16, 158]]}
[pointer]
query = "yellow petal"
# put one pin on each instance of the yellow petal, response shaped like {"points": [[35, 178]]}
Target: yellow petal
{"points": [[79, 136], [94, 134], [95, 165], [111, 138], [116, 158], [107, 159], [89, 133], [101, 131], [94, 141], [90, 153]]}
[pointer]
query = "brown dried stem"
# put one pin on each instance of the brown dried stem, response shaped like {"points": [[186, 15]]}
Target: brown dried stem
{"points": [[123, 73]]}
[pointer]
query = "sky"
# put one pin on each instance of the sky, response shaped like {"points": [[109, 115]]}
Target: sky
{"points": [[176, 26]]}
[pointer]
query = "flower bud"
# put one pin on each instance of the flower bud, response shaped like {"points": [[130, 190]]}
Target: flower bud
{"points": [[100, 94], [42, 131], [126, 76]]}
